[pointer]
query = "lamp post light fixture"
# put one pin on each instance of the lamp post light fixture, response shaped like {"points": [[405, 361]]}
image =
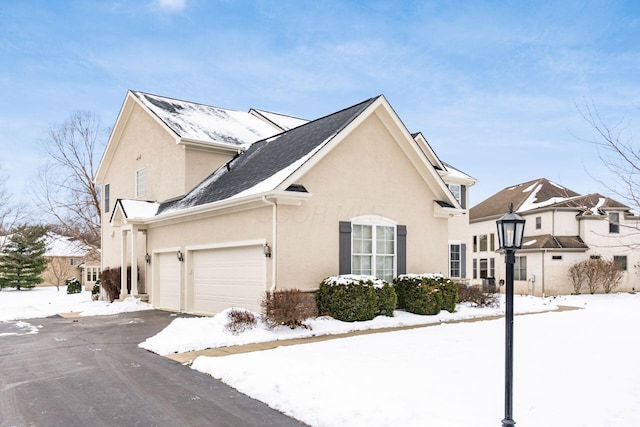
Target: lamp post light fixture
{"points": [[180, 256], [510, 232]]}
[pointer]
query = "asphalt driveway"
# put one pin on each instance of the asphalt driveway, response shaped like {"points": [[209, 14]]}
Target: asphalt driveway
{"points": [[90, 372]]}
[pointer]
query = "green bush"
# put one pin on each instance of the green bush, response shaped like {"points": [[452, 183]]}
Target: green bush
{"points": [[387, 300], [352, 298], [449, 290], [96, 288], [425, 299], [426, 293], [74, 286]]}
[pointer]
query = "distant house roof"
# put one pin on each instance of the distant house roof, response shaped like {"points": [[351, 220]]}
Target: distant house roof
{"points": [[547, 241], [542, 193], [526, 196], [207, 123], [267, 163]]}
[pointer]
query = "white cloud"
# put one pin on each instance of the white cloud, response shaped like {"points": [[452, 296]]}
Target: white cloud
{"points": [[172, 5]]}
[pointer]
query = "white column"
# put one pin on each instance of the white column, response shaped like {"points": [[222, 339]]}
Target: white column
{"points": [[123, 264], [134, 261]]}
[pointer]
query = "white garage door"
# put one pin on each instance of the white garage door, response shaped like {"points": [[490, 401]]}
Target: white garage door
{"points": [[228, 277], [167, 282]]}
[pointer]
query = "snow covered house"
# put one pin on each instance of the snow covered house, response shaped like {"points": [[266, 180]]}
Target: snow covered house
{"points": [[214, 207], [562, 228]]}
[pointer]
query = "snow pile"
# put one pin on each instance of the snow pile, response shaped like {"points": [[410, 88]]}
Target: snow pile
{"points": [[105, 308], [352, 279], [199, 333]]}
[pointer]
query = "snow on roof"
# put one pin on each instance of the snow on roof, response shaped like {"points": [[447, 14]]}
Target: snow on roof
{"points": [[139, 208], [63, 246], [281, 120], [207, 123], [532, 203]]}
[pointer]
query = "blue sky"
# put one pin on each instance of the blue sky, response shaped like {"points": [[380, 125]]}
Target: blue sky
{"points": [[493, 85]]}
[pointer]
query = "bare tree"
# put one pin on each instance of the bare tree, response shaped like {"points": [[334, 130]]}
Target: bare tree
{"points": [[10, 213], [618, 154], [66, 189], [58, 271]]}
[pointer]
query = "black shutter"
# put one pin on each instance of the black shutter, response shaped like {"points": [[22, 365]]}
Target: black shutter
{"points": [[401, 231], [344, 253], [463, 196], [463, 261]]}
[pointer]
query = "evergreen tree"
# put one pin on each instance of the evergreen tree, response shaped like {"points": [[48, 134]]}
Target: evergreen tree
{"points": [[22, 261]]}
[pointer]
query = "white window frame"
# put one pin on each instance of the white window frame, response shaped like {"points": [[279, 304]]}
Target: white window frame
{"points": [[375, 221], [456, 190], [459, 260], [141, 182]]}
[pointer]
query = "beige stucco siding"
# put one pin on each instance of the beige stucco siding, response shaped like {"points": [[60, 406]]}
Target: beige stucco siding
{"points": [[366, 174]]}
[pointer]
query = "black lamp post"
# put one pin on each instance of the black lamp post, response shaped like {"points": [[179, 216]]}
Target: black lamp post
{"points": [[510, 232]]}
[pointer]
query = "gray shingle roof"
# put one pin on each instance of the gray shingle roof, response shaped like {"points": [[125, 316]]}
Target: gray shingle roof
{"points": [[266, 158], [547, 241]]}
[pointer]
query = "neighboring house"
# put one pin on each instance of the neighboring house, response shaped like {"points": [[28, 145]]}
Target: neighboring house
{"points": [[562, 228], [214, 207], [69, 258]]}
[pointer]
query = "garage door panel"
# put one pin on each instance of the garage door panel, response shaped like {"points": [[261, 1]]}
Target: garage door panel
{"points": [[228, 277], [167, 291]]}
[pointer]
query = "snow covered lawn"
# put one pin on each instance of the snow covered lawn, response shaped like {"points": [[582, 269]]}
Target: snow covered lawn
{"points": [[572, 368], [47, 301]]}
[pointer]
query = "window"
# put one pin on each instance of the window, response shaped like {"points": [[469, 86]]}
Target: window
{"points": [[520, 268], [141, 183], [538, 222], [493, 242], [73, 261], [454, 260], [621, 260], [92, 274], [373, 251], [475, 243], [483, 268], [595, 257], [106, 198], [556, 257], [483, 242], [458, 192], [492, 267], [475, 268], [614, 222]]}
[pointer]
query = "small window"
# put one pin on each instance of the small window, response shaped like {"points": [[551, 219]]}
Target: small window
{"points": [[520, 268], [492, 267], [538, 222], [556, 257], [475, 268], [493, 242], [141, 183], [106, 198], [621, 260], [475, 243], [483, 243], [614, 222]]}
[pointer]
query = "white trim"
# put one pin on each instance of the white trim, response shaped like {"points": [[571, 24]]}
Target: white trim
{"points": [[373, 219], [241, 243]]}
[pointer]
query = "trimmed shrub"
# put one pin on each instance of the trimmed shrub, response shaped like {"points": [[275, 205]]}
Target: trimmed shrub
{"points": [[426, 293], [424, 299], [349, 298], [240, 320], [387, 300], [74, 286], [290, 307], [449, 290]]}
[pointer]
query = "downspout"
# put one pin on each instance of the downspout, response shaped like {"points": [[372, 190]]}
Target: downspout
{"points": [[274, 245], [544, 254]]}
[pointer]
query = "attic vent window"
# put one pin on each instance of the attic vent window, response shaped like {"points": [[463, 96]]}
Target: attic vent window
{"points": [[297, 188]]}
